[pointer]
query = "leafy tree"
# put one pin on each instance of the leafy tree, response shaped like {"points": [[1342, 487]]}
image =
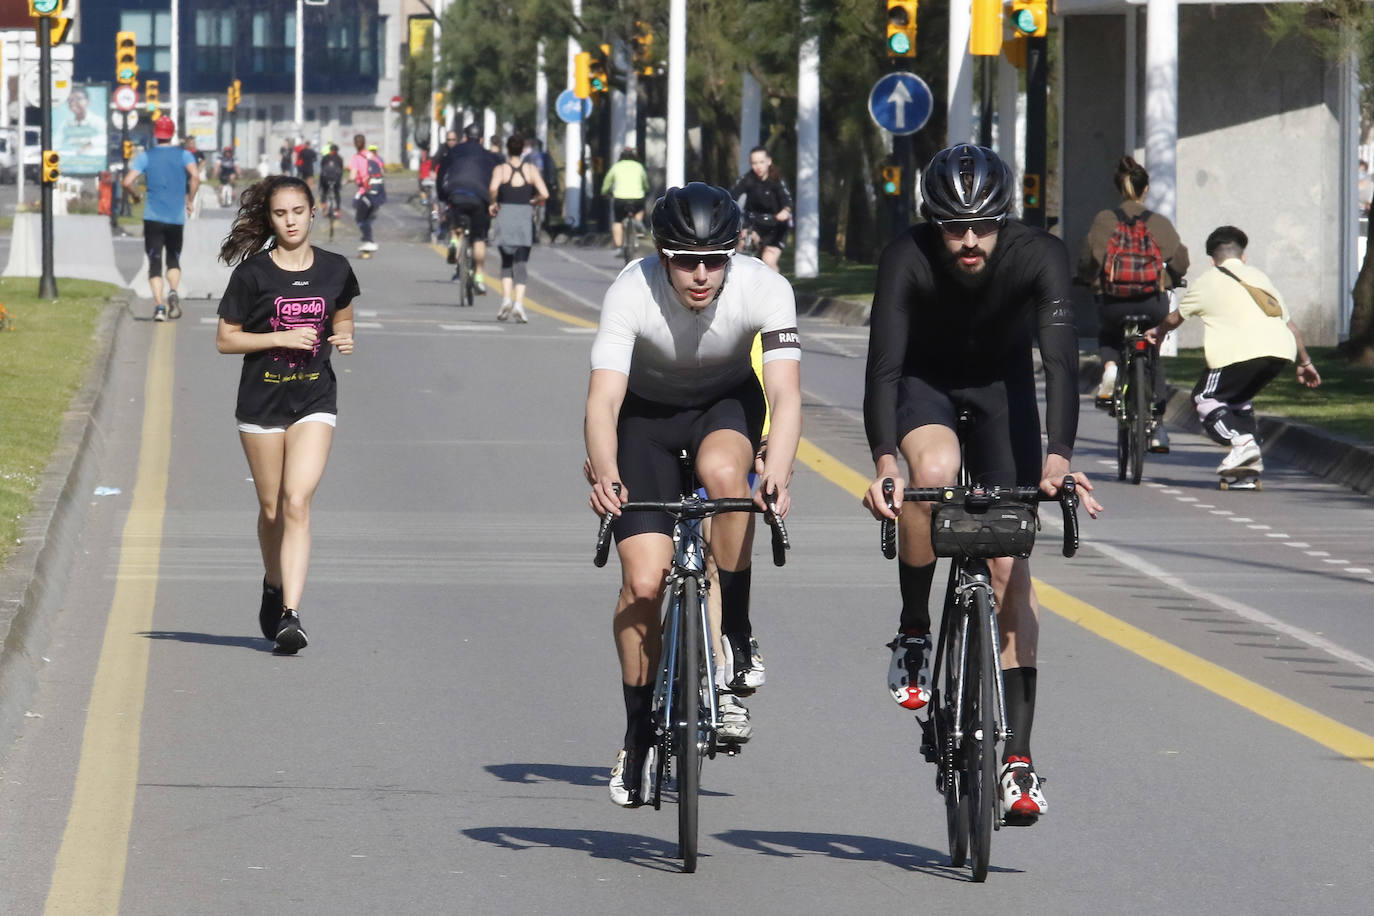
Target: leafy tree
{"points": [[1342, 30]]}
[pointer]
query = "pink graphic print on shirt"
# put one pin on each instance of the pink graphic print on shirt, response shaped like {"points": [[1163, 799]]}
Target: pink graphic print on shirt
{"points": [[308, 312]]}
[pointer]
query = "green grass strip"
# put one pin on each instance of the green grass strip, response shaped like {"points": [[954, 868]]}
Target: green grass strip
{"points": [[44, 356]]}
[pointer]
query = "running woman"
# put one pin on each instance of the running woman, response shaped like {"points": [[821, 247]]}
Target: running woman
{"points": [[283, 309]]}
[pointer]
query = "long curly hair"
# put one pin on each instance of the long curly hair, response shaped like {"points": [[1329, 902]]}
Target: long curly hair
{"points": [[252, 228]]}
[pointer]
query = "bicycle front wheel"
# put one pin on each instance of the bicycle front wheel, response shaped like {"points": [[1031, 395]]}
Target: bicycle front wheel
{"points": [[687, 723], [1139, 412], [943, 698], [980, 734]]}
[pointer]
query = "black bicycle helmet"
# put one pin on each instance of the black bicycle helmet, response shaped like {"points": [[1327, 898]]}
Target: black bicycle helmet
{"points": [[696, 216], [965, 182]]}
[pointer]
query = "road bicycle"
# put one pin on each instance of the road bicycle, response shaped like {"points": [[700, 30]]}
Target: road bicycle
{"points": [[967, 712], [1133, 397], [465, 264], [686, 708], [629, 238]]}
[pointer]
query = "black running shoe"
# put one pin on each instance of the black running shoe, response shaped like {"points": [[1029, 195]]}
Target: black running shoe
{"points": [[269, 614], [291, 636]]}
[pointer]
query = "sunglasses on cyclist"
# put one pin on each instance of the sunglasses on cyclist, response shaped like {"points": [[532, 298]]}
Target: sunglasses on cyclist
{"points": [[688, 260], [958, 228]]}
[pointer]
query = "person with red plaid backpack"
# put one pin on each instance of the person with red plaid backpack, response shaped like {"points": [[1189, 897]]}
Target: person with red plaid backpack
{"points": [[1131, 257]]}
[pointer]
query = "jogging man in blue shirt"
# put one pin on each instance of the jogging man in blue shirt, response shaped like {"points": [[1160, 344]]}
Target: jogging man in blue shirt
{"points": [[172, 180]]}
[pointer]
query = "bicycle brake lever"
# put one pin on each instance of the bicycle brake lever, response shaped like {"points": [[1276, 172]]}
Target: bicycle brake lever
{"points": [[603, 535], [1068, 502], [888, 534]]}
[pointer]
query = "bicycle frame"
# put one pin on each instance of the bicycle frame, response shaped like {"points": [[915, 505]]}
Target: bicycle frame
{"points": [[1137, 359]]}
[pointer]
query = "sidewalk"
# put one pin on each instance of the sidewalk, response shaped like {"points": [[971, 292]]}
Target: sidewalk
{"points": [[1322, 454]]}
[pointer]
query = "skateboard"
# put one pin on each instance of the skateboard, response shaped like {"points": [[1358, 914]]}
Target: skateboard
{"points": [[1241, 478], [364, 255]]}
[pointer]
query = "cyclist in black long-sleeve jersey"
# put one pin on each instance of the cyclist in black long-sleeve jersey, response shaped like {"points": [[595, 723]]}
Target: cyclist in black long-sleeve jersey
{"points": [[767, 204], [959, 301]]}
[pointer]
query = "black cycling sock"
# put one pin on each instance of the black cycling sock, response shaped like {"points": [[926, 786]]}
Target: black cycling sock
{"points": [[1020, 684], [734, 604], [915, 582], [639, 699]]}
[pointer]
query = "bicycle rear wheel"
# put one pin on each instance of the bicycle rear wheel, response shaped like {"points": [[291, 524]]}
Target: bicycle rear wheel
{"points": [[469, 273], [980, 734], [1139, 412], [687, 723]]}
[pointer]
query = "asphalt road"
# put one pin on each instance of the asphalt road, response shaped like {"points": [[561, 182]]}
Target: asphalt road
{"points": [[1206, 689]]}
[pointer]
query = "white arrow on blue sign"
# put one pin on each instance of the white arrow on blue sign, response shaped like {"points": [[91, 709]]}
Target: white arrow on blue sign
{"points": [[901, 103], [570, 108]]}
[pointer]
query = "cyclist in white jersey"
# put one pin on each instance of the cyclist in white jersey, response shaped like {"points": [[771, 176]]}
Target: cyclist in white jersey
{"points": [[671, 370]]}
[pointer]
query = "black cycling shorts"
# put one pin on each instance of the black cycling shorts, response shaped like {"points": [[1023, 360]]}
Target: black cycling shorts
{"points": [[625, 208], [1002, 445], [651, 435], [474, 209], [771, 233], [156, 237]]}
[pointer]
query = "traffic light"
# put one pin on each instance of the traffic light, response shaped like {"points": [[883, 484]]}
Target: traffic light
{"points": [[1015, 51], [1030, 191], [892, 180], [600, 71], [51, 169], [1030, 17], [45, 7], [234, 95], [901, 28], [644, 49], [439, 107], [128, 150], [985, 37], [153, 98], [582, 75], [126, 59]]}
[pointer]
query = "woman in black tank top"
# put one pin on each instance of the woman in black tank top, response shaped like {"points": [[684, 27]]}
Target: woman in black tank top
{"points": [[516, 187]]}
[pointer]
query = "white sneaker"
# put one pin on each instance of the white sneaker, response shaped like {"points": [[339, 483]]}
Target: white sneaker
{"points": [[742, 670], [908, 674], [520, 315], [1022, 798], [368, 246], [734, 719], [504, 311], [1246, 452], [1104, 390], [628, 789]]}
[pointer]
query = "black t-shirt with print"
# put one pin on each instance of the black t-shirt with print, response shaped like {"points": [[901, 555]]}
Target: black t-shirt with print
{"points": [[279, 386]]}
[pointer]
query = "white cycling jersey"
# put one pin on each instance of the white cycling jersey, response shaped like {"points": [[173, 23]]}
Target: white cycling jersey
{"points": [[684, 357]]}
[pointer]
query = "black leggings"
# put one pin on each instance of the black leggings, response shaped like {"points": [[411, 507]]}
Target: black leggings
{"points": [[157, 236], [1112, 315], [513, 263]]}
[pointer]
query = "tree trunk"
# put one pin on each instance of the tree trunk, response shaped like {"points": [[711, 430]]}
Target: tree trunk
{"points": [[1359, 347]]}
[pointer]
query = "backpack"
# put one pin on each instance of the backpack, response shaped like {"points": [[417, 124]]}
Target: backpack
{"points": [[331, 169], [1134, 265]]}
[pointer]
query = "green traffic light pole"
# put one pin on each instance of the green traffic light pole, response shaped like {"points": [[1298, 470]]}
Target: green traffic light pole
{"points": [[47, 283]]}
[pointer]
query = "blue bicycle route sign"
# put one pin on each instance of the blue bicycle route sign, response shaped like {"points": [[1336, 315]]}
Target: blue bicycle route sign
{"points": [[900, 103], [572, 109]]}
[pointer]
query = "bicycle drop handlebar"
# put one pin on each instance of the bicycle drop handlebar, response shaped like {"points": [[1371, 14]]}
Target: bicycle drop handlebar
{"points": [[976, 497], [694, 507]]}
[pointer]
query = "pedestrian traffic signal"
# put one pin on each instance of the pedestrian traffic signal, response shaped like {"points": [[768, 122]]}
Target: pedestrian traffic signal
{"points": [[600, 72], [901, 28], [644, 49], [126, 59], [985, 36], [45, 7], [153, 98], [892, 180], [1030, 17], [582, 75], [51, 166], [128, 150], [439, 107], [1030, 191]]}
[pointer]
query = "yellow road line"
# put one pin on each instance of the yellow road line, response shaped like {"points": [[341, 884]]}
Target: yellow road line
{"points": [[89, 874]]}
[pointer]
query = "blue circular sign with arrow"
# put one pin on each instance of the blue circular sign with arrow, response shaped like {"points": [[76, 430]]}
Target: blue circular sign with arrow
{"points": [[900, 103], [570, 108]]}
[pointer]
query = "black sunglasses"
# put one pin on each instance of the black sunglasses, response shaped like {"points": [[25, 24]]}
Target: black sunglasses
{"points": [[958, 228], [688, 260]]}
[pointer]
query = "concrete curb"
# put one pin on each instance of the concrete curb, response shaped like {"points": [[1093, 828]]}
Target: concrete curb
{"points": [[31, 582], [850, 312]]}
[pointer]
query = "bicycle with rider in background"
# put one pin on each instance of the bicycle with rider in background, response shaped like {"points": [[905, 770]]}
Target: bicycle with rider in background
{"points": [[767, 205]]}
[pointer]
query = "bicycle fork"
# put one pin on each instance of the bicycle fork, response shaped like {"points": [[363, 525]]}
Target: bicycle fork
{"points": [[964, 591]]}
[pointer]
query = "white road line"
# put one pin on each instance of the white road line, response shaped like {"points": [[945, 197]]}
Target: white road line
{"points": [[365, 313], [1317, 553], [470, 327], [1170, 491], [1335, 562], [567, 330], [1296, 544], [1221, 512], [210, 319], [368, 325], [1358, 571], [1254, 615], [1260, 527], [1278, 534], [1187, 499], [1240, 518]]}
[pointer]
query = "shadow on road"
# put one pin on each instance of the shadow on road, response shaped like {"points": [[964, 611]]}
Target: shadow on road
{"points": [[211, 639], [795, 844], [649, 852], [531, 773]]}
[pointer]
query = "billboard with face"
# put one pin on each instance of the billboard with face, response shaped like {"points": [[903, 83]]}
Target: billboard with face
{"points": [[79, 130]]}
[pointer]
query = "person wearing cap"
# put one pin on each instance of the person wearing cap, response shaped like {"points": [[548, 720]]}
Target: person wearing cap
{"points": [[172, 181]]}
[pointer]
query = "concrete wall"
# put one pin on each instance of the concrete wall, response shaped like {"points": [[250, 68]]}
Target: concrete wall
{"points": [[1259, 147]]}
